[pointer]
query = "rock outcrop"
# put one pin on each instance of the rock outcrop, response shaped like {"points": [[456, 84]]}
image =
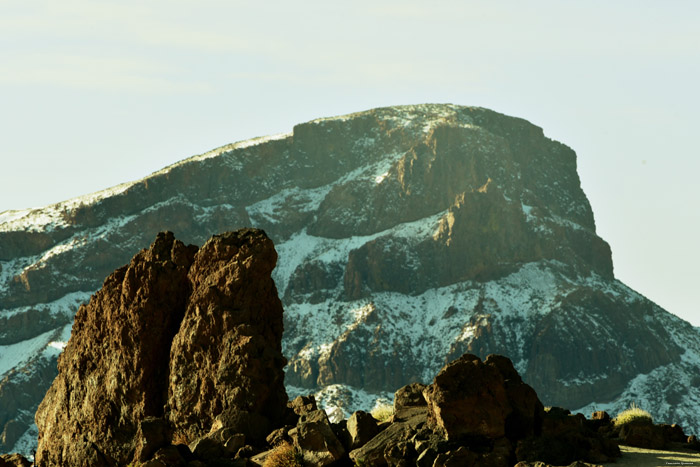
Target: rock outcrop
{"points": [[480, 413], [407, 236], [179, 343], [226, 359]]}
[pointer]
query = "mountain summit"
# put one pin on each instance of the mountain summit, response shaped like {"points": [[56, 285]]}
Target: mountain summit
{"points": [[407, 236]]}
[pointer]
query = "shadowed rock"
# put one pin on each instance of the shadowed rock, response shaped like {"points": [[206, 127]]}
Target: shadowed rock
{"points": [[197, 335]]}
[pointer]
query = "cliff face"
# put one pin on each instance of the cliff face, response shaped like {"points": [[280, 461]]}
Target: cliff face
{"points": [[407, 236], [179, 334]]}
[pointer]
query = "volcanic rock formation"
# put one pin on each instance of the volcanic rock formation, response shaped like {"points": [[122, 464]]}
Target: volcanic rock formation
{"points": [[179, 334], [407, 237]]}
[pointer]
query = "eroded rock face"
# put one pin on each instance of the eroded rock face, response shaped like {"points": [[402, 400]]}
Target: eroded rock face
{"points": [[226, 360], [196, 333], [113, 370]]}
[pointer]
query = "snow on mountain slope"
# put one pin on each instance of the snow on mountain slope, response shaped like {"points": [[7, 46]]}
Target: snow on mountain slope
{"points": [[406, 237]]}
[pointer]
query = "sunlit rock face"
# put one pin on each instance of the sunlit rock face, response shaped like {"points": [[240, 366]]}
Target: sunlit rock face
{"points": [[407, 236], [189, 337]]}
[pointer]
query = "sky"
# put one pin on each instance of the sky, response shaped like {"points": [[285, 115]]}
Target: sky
{"points": [[96, 93]]}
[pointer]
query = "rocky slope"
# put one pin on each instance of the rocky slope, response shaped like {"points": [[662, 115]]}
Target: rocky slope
{"points": [[406, 236]]}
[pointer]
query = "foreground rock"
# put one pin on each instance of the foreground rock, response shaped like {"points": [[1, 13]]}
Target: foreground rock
{"points": [[479, 413], [13, 460], [178, 343], [226, 359]]}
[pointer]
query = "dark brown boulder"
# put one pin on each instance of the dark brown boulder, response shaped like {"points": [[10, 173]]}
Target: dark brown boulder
{"points": [[226, 359], [673, 433], [468, 398], [643, 435], [112, 372], [404, 427]]}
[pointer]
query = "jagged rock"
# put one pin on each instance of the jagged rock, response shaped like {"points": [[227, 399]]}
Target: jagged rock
{"points": [[527, 410], [400, 454], [361, 427], [152, 435], [226, 360], [544, 464], [171, 456], [279, 436], [460, 457], [403, 428], [302, 405], [112, 373], [154, 463], [14, 460], [600, 421], [195, 332], [315, 438]]}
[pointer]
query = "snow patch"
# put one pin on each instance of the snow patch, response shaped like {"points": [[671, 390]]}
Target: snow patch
{"points": [[16, 355]]}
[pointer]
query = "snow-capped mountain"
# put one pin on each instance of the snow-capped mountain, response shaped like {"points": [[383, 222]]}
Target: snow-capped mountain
{"points": [[406, 237]]}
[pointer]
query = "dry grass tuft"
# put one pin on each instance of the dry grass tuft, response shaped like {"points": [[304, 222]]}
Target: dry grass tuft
{"points": [[284, 455], [382, 412], [633, 415]]}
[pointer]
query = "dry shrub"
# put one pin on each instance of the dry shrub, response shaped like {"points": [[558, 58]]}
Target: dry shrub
{"points": [[284, 455], [382, 412], [633, 415]]}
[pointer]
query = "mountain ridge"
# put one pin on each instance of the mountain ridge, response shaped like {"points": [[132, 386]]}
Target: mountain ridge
{"points": [[407, 236]]}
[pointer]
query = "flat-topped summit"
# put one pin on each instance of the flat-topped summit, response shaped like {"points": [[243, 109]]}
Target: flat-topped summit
{"points": [[406, 235]]}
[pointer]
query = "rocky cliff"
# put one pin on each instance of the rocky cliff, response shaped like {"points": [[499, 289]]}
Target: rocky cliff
{"points": [[180, 337], [407, 236]]}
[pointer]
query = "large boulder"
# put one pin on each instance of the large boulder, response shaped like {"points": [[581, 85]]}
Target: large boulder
{"points": [[226, 360], [176, 344], [114, 370], [468, 398]]}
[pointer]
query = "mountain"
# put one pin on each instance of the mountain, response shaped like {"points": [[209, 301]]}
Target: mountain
{"points": [[407, 236]]}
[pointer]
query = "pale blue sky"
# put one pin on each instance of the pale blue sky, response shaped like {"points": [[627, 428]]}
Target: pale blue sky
{"points": [[95, 93]]}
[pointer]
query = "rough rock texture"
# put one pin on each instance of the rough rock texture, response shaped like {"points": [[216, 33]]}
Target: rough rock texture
{"points": [[213, 313], [315, 438], [407, 237], [471, 398], [468, 398], [361, 428], [480, 413], [14, 460], [226, 360]]}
